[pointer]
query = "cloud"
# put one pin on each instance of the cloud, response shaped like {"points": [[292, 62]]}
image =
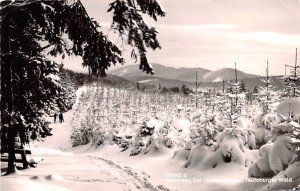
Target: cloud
{"points": [[216, 46], [199, 27], [273, 38], [214, 34]]}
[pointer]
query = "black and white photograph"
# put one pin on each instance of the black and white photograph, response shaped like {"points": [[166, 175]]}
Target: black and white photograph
{"points": [[150, 95]]}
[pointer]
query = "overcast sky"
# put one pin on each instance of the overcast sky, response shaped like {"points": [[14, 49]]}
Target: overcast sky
{"points": [[214, 34]]}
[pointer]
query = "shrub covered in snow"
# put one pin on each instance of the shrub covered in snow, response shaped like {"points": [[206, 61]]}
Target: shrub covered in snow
{"points": [[204, 134], [261, 167], [180, 131], [152, 135], [274, 158], [229, 147], [81, 136], [290, 179], [280, 154], [263, 124], [124, 141]]}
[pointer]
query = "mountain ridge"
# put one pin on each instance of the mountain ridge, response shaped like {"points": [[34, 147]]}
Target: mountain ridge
{"points": [[132, 72]]}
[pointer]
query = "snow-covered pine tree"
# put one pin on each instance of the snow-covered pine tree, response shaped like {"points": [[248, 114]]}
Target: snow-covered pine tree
{"points": [[266, 94], [67, 96], [208, 94], [294, 133], [204, 133], [283, 153], [236, 97], [152, 135], [129, 22], [231, 110], [291, 81]]}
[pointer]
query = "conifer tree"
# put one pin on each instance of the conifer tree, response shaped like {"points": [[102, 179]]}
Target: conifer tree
{"points": [[243, 87], [235, 96], [267, 94], [291, 81]]}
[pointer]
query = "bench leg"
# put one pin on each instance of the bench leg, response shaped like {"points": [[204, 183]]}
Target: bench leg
{"points": [[11, 134], [25, 163]]}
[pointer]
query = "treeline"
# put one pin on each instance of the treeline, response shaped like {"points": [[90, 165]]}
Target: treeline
{"points": [[80, 79], [180, 90]]}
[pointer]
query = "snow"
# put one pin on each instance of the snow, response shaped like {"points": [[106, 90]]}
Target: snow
{"points": [[206, 75], [182, 125], [280, 154], [45, 7], [65, 168], [261, 167], [160, 5], [193, 150], [291, 176], [53, 79], [263, 124], [218, 79], [251, 142], [147, 81], [275, 158], [152, 137], [33, 184], [123, 72]]}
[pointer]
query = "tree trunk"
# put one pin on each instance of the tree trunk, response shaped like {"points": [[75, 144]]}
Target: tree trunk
{"points": [[11, 134], [7, 92]]}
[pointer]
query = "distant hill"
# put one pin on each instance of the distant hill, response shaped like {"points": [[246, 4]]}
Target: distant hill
{"points": [[182, 74], [156, 81], [132, 72], [176, 77], [250, 83], [226, 74]]}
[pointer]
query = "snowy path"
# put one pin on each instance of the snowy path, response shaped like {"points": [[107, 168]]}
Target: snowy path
{"points": [[77, 172], [61, 131], [63, 170], [125, 176]]}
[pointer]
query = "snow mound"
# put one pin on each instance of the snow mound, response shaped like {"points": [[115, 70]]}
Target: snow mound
{"points": [[261, 168], [228, 148], [218, 79], [274, 158], [54, 177], [244, 123], [17, 184], [288, 179], [262, 125], [35, 160], [152, 137], [181, 124], [281, 154]]}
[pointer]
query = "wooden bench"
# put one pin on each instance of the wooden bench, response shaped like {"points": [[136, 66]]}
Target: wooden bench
{"points": [[20, 151]]}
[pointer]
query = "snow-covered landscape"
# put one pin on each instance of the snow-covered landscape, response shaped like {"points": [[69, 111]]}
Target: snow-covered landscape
{"points": [[160, 142], [208, 97]]}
